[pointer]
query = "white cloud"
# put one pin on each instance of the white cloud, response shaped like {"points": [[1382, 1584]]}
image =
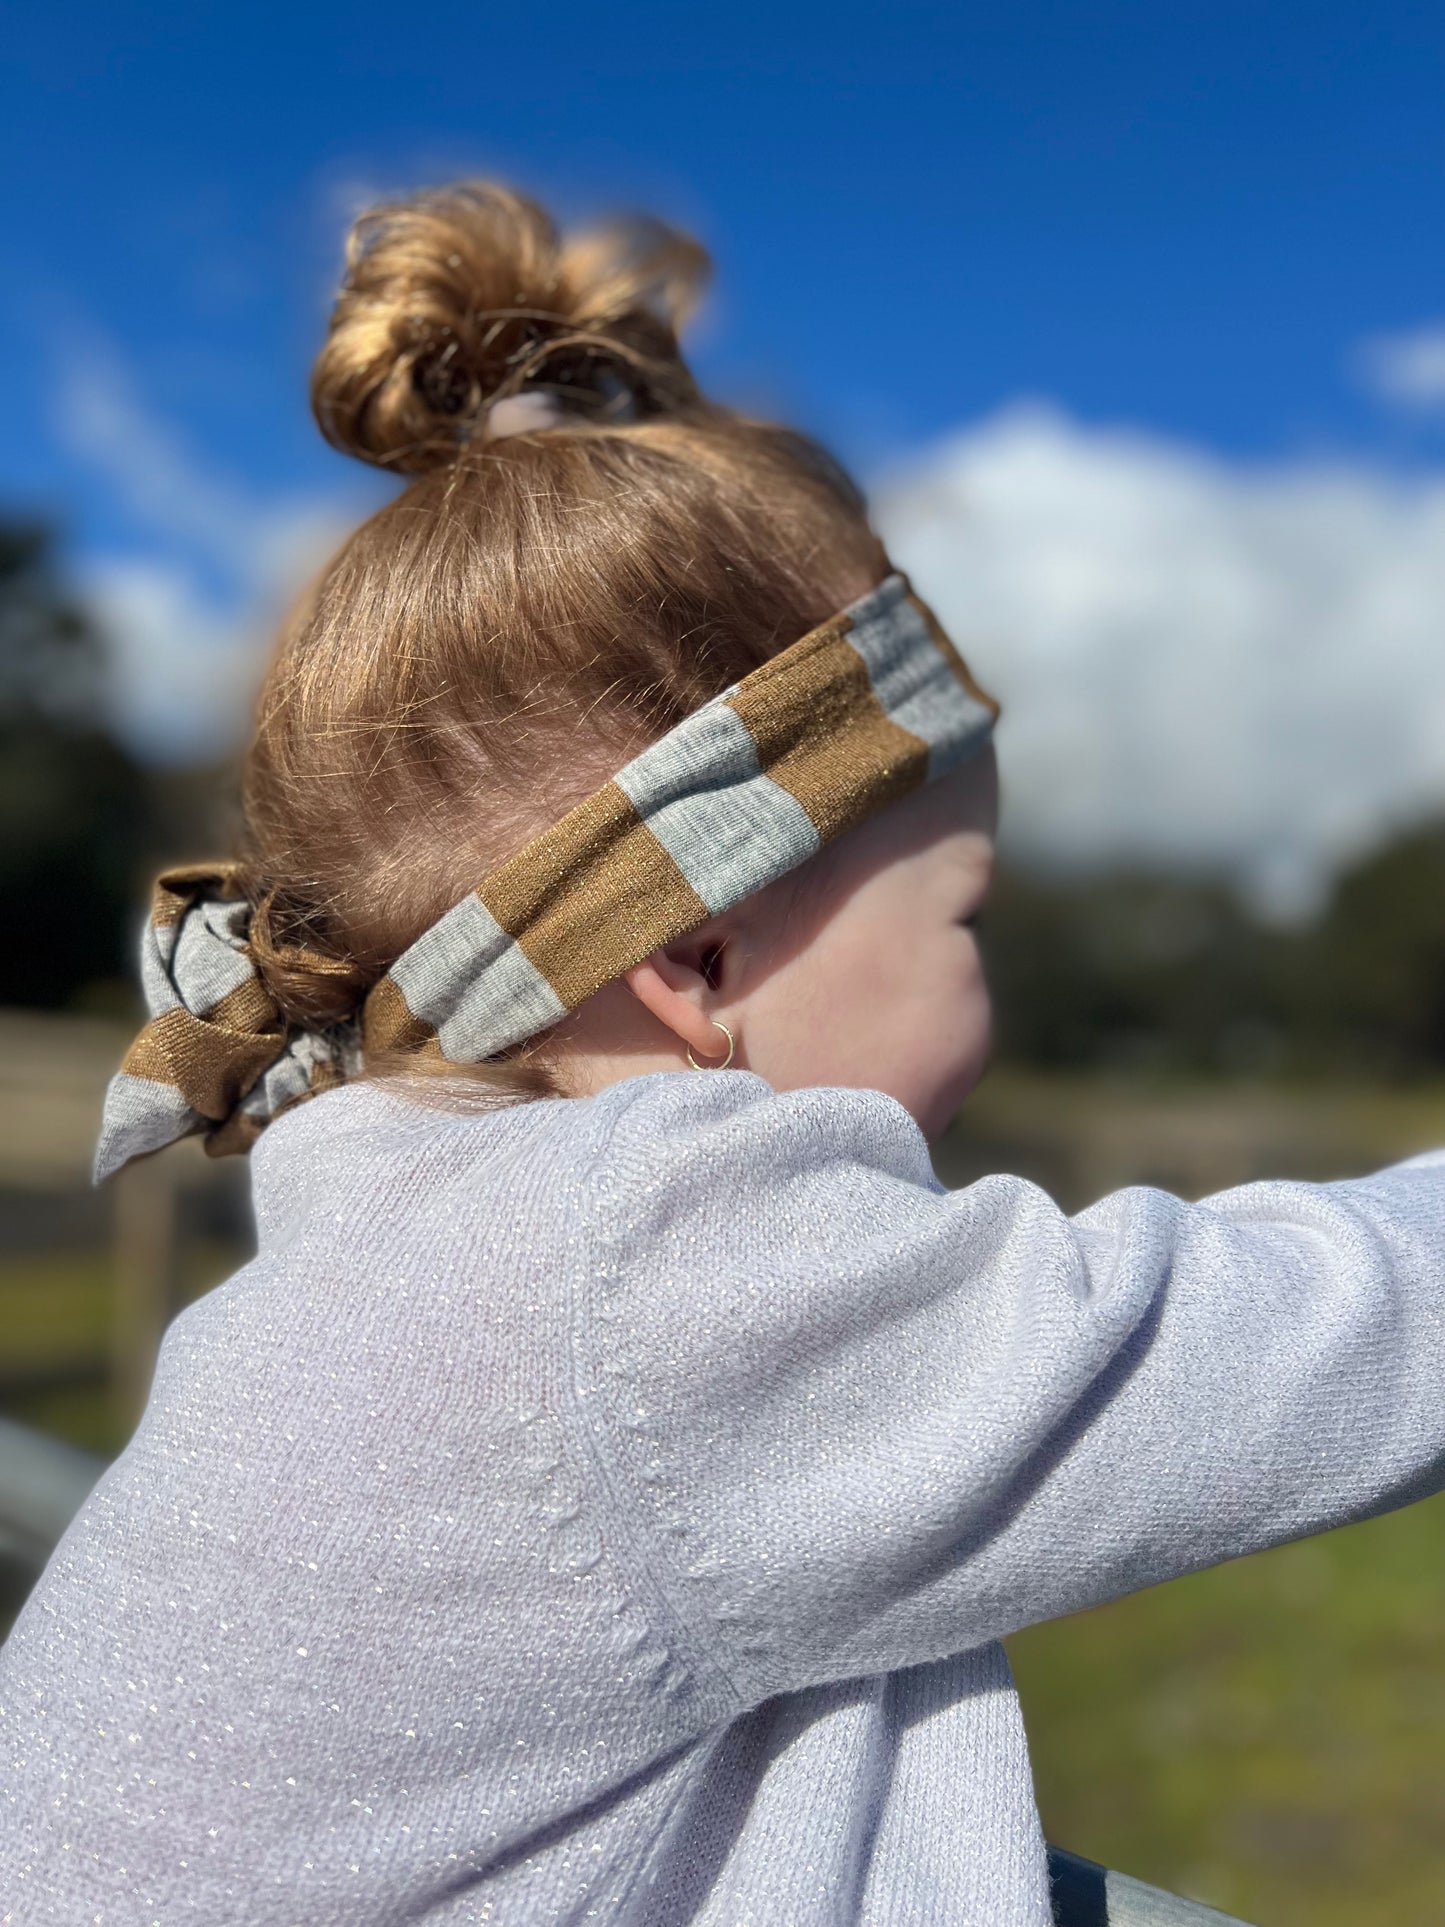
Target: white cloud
{"points": [[1407, 369], [182, 673], [184, 658], [101, 417], [1202, 662], [183, 667]]}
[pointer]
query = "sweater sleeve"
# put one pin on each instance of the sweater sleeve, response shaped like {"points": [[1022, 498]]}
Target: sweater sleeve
{"points": [[860, 1421]]}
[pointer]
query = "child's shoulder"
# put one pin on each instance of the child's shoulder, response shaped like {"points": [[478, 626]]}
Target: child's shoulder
{"points": [[732, 1120], [719, 1162], [369, 1155]]}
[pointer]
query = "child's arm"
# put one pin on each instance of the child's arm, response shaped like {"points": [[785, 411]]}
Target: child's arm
{"points": [[863, 1422]]}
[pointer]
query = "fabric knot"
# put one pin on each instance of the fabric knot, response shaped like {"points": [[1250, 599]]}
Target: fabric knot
{"points": [[216, 1055]]}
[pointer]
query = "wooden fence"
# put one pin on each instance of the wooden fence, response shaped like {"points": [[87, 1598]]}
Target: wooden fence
{"points": [[53, 1072]]}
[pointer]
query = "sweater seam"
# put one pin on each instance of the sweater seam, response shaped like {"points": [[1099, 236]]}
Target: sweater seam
{"points": [[594, 1429]]}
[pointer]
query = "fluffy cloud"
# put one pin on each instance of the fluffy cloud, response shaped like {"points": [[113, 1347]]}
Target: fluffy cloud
{"points": [[101, 418], [187, 616], [184, 664], [1201, 662], [1407, 369], [182, 672], [1226, 665]]}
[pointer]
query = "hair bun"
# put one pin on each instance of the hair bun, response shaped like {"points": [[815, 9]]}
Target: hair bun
{"points": [[462, 295]]}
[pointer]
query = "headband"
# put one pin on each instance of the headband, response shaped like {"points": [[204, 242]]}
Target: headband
{"points": [[858, 712]]}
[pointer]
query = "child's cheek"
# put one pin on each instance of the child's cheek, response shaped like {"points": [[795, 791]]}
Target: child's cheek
{"points": [[973, 1034]]}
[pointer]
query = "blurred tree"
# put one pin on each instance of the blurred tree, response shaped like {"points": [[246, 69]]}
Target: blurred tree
{"points": [[76, 816], [1133, 970], [1376, 992]]}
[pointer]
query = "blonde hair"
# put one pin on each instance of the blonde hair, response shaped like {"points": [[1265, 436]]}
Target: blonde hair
{"points": [[528, 611]]}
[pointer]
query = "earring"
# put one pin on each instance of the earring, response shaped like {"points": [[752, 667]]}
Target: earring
{"points": [[725, 1062]]}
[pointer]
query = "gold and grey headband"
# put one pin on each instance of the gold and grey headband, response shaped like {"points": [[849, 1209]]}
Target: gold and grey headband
{"points": [[862, 709]]}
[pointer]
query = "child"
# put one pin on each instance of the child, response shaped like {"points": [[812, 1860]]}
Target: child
{"points": [[603, 1496]]}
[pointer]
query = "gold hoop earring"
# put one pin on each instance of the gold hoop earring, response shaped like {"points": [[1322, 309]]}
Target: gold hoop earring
{"points": [[725, 1062]]}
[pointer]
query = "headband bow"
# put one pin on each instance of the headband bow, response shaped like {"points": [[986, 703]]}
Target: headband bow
{"points": [[217, 1055], [858, 712]]}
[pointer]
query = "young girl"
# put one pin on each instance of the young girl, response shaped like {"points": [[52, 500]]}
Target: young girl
{"points": [[603, 1496]]}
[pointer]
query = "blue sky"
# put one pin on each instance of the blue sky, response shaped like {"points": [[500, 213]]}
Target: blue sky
{"points": [[1202, 239], [1181, 215]]}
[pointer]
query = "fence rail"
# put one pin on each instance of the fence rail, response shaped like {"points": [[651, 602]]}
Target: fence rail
{"points": [[53, 1073]]}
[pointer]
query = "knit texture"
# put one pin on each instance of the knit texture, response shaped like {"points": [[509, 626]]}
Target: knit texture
{"points": [[607, 1510]]}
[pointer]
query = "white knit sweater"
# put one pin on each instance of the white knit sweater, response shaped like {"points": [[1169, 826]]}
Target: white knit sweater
{"points": [[608, 1510]]}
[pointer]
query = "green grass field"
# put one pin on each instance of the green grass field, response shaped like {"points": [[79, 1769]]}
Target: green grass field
{"points": [[1268, 1736]]}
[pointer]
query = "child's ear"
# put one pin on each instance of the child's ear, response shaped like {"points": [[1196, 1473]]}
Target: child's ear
{"points": [[677, 985]]}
